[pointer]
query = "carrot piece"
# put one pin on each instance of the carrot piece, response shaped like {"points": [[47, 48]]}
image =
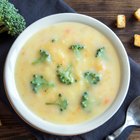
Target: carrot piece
{"points": [[106, 101]]}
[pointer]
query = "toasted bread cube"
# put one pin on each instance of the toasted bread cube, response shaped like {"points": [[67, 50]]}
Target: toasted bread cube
{"points": [[137, 40], [121, 21], [137, 14]]}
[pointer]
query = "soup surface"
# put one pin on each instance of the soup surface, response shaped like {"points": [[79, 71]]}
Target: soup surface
{"points": [[68, 73]]}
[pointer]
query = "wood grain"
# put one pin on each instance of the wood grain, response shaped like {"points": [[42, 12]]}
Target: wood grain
{"points": [[105, 11], [11, 129]]}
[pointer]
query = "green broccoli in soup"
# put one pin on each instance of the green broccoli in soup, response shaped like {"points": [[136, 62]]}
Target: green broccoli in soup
{"points": [[85, 100], [44, 56], [61, 103], [39, 82], [65, 75], [77, 48], [100, 52], [92, 78]]}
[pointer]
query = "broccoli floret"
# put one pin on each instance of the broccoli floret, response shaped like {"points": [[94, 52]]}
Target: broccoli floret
{"points": [[65, 75], [100, 52], [10, 20], [92, 78], [77, 48], [61, 103], [44, 56], [84, 100], [38, 82]]}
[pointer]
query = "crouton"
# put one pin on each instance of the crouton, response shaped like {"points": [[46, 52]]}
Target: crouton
{"points": [[137, 14], [121, 21], [137, 40]]}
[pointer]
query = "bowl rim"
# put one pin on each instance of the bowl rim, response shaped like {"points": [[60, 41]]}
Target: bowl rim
{"points": [[59, 129]]}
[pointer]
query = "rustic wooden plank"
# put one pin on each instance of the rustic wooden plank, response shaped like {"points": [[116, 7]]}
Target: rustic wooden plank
{"points": [[135, 135], [11, 129]]}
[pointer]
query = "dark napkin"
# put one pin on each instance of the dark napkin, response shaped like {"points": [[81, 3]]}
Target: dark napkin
{"points": [[33, 10]]}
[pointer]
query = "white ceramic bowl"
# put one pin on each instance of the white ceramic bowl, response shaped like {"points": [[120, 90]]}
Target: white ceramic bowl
{"points": [[33, 120]]}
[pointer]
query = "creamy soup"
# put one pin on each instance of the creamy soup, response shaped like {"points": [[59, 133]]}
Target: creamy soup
{"points": [[68, 73]]}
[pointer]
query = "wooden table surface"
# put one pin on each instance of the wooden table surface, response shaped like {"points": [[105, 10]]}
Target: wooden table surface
{"points": [[105, 11]]}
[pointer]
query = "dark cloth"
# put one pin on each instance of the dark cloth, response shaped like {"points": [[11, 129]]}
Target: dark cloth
{"points": [[33, 10]]}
